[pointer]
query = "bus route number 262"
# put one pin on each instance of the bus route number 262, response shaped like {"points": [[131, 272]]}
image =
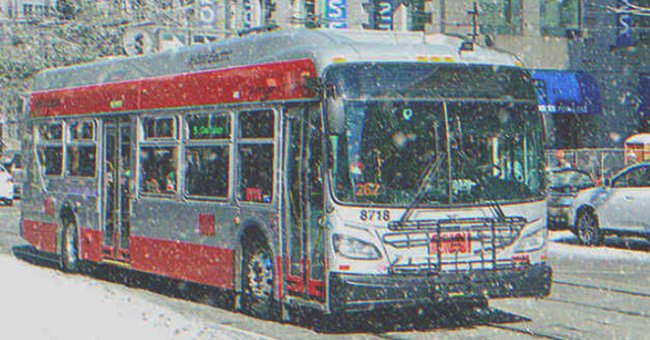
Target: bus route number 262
{"points": [[374, 215]]}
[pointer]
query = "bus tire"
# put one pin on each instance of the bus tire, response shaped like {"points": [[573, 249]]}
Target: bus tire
{"points": [[69, 257], [258, 279]]}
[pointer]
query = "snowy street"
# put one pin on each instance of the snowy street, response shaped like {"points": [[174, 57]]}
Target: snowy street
{"points": [[597, 292]]}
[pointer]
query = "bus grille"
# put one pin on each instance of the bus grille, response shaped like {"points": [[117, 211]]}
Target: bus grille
{"points": [[451, 245]]}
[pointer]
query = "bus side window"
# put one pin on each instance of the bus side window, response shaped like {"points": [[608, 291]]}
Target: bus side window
{"points": [[256, 154], [159, 155], [207, 154], [50, 148]]}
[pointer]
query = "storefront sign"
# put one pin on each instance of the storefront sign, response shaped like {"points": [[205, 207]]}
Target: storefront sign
{"points": [[336, 13], [624, 23]]}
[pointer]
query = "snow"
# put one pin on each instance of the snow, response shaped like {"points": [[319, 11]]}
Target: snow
{"points": [[564, 244], [41, 303]]}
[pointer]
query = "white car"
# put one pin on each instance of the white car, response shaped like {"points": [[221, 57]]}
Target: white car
{"points": [[620, 206], [6, 186]]}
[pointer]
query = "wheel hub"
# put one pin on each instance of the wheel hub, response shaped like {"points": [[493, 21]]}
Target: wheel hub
{"points": [[260, 275]]}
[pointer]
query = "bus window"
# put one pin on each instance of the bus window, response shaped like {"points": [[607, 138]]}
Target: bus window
{"points": [[159, 127], [158, 169], [207, 155], [256, 168], [256, 124], [207, 170], [81, 161], [208, 126], [50, 147], [159, 156], [80, 155]]}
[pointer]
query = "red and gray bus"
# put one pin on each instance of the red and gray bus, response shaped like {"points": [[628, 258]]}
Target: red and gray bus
{"points": [[334, 170]]}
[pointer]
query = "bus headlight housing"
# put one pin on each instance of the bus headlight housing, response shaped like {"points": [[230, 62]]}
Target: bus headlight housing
{"points": [[354, 248], [532, 241]]}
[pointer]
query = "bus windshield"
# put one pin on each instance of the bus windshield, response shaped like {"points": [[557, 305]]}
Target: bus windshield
{"points": [[452, 146]]}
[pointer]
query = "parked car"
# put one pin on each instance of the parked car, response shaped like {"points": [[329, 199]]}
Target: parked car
{"points": [[6, 186], [15, 167], [564, 185], [620, 206]]}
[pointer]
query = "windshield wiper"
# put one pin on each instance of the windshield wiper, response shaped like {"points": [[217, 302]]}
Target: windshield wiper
{"points": [[431, 168]]}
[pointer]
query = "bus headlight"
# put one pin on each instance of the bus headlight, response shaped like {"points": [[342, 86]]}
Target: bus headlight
{"points": [[354, 248], [533, 241]]}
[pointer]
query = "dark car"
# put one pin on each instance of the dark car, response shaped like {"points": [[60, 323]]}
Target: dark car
{"points": [[564, 185]]}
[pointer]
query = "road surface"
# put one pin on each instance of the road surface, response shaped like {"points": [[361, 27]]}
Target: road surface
{"points": [[601, 292]]}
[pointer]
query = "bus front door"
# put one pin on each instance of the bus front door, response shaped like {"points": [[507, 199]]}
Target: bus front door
{"points": [[303, 233], [116, 190]]}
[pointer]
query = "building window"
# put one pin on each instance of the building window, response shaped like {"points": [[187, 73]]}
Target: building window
{"points": [[28, 10], [559, 17], [418, 17], [500, 17]]}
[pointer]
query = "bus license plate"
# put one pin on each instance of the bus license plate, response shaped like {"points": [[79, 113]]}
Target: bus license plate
{"points": [[451, 243]]}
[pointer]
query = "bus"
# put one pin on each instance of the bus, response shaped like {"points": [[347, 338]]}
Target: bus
{"points": [[332, 170]]}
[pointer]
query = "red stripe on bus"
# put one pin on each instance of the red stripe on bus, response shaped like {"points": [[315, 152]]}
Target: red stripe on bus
{"points": [[192, 262], [91, 245], [273, 81], [43, 236], [278, 261]]}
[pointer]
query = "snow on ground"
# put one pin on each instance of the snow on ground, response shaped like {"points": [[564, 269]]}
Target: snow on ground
{"points": [[48, 304], [565, 244]]}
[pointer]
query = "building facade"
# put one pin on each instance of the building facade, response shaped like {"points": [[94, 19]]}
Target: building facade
{"points": [[25, 9], [590, 57]]}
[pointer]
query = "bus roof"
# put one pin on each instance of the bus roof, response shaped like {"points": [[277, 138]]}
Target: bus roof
{"points": [[322, 46]]}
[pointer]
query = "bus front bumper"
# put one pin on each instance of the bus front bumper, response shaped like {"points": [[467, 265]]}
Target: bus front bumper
{"points": [[350, 292]]}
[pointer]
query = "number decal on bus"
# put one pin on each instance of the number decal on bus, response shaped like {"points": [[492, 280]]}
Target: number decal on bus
{"points": [[374, 215], [366, 189]]}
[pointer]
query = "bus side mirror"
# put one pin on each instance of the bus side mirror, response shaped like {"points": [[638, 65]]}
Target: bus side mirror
{"points": [[335, 115]]}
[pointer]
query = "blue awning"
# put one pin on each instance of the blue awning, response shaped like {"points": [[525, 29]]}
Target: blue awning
{"points": [[567, 92]]}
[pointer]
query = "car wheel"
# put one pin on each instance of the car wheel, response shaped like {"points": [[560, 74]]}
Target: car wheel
{"points": [[9, 202], [258, 279], [69, 249], [588, 231]]}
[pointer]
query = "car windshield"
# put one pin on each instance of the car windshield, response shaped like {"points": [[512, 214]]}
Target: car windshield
{"points": [[561, 179], [471, 149]]}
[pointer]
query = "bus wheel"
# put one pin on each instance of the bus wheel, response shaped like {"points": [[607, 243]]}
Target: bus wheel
{"points": [[588, 231], [69, 248], [258, 280]]}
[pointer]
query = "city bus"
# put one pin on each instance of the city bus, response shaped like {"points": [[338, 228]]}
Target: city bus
{"points": [[331, 170]]}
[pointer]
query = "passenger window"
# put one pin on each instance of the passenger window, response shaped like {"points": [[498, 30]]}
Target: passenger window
{"points": [[256, 154], [207, 154], [159, 156], [158, 169], [208, 126], [256, 169], [50, 148], [80, 155], [207, 170], [81, 161], [159, 127], [256, 124]]}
